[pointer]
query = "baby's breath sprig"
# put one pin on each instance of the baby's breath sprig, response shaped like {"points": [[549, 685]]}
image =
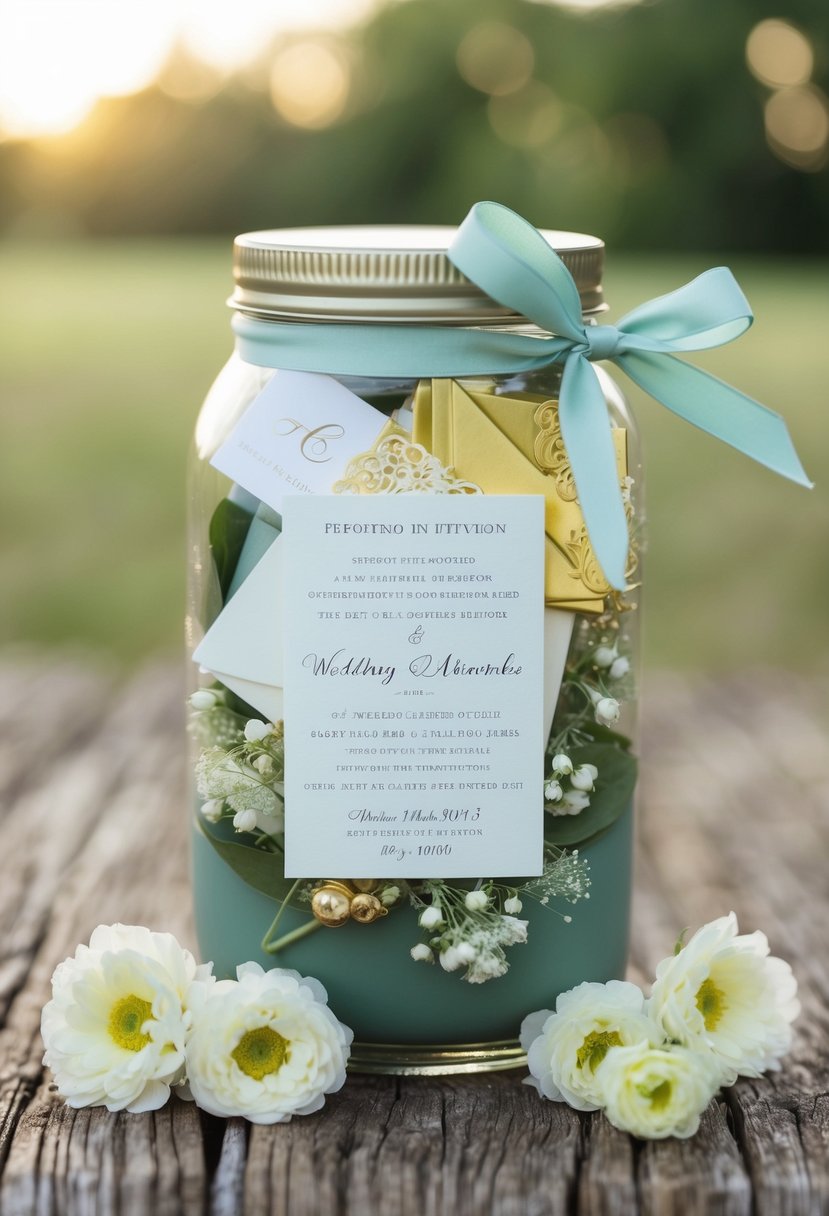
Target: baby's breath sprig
{"points": [[597, 680], [566, 876], [240, 778], [212, 722], [467, 929]]}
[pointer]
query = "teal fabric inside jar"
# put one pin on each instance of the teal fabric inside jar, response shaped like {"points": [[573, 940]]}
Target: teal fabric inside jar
{"points": [[385, 997]]}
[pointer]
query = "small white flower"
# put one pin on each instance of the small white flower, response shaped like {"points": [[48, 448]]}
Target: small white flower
{"points": [[256, 730], [512, 931], [487, 966], [476, 901], [449, 959], [431, 917], [619, 667], [606, 710], [212, 809], [565, 1048], [421, 953], [264, 1046], [466, 952], [573, 802], [513, 905], [653, 1092], [724, 994], [553, 791], [604, 656], [389, 896], [263, 765], [562, 764], [584, 777], [115, 1027], [245, 820], [203, 699]]}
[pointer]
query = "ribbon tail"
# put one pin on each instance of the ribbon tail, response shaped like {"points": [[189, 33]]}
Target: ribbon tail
{"points": [[716, 407], [585, 430]]}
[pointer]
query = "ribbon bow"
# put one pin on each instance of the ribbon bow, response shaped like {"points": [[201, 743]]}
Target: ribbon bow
{"points": [[510, 260]]}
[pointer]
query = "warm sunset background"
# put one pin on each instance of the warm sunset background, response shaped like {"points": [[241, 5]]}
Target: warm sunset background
{"points": [[137, 138]]}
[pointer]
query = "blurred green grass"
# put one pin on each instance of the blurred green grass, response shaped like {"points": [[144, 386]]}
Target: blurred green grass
{"points": [[110, 347]]}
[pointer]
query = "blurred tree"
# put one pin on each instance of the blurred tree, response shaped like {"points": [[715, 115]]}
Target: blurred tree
{"points": [[643, 123]]}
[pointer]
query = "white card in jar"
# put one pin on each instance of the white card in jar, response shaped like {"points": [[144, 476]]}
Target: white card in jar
{"points": [[413, 685], [297, 437]]}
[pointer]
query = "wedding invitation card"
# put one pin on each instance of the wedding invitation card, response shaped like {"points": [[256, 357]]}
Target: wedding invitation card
{"points": [[413, 685]]}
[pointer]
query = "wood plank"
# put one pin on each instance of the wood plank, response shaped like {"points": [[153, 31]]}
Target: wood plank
{"points": [[607, 1178], [124, 860], [228, 1185], [740, 802], [701, 1175], [735, 798], [48, 707]]}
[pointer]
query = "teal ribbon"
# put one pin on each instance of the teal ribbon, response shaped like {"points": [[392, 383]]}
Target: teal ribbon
{"points": [[510, 260]]}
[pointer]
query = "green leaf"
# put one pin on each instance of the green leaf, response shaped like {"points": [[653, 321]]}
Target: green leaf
{"points": [[260, 870], [612, 795], [603, 734], [228, 529], [679, 944], [238, 706]]}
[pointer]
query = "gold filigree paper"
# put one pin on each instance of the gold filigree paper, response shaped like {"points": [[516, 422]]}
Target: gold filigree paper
{"points": [[549, 451], [512, 444], [398, 465]]}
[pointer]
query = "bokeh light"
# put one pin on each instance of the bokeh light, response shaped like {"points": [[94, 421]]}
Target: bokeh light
{"points": [[778, 54], [227, 35], [587, 5], [495, 58], [57, 59], [797, 126], [186, 78], [528, 118], [310, 82]]}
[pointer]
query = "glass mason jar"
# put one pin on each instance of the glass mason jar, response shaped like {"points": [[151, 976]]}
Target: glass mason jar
{"points": [[408, 1016]]}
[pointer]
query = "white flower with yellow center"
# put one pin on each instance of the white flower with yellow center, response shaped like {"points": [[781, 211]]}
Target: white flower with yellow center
{"points": [[565, 1048], [265, 1046], [114, 1029], [722, 993], [653, 1092]]}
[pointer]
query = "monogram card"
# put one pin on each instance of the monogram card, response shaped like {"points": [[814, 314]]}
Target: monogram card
{"points": [[297, 437]]}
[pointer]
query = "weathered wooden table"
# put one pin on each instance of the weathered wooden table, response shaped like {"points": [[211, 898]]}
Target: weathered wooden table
{"points": [[735, 814]]}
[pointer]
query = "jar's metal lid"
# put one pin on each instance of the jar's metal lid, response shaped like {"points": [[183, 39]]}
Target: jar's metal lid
{"points": [[383, 273]]}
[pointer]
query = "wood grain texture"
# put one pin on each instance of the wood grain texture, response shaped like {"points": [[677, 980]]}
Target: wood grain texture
{"points": [[735, 814]]}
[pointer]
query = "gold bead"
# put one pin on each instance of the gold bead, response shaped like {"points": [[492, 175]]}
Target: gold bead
{"points": [[364, 884], [367, 908], [331, 904]]}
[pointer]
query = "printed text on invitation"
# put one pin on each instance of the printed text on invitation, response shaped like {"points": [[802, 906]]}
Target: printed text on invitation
{"points": [[413, 685]]}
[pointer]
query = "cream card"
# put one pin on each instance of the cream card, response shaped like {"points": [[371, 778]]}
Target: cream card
{"points": [[558, 631], [413, 687], [243, 646], [297, 437]]}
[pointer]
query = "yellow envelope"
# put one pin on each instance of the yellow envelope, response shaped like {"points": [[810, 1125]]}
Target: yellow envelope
{"points": [[512, 445]]}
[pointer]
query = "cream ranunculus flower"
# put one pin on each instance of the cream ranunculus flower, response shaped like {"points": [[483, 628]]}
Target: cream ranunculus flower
{"points": [[653, 1092], [114, 1029], [724, 994], [265, 1046], [565, 1048]]}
